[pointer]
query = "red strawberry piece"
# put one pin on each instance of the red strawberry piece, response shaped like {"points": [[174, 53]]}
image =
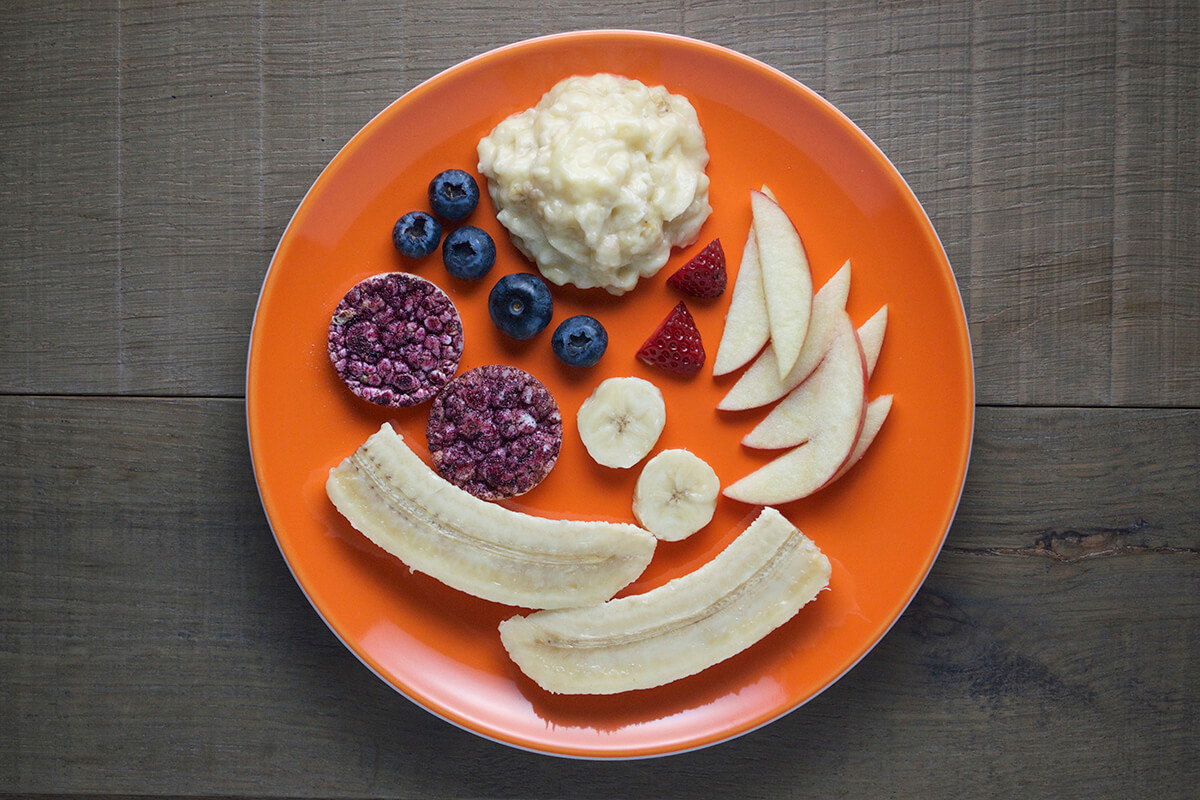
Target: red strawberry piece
{"points": [[704, 275], [675, 346]]}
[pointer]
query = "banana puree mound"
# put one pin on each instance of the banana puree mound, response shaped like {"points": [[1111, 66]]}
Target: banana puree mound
{"points": [[599, 180]]}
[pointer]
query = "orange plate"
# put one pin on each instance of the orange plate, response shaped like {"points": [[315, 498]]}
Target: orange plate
{"points": [[882, 525]]}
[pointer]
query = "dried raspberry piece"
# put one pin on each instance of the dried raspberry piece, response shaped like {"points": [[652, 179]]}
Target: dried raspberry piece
{"points": [[495, 431], [395, 339]]}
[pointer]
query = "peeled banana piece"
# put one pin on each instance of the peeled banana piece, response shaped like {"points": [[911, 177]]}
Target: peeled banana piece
{"points": [[760, 581], [398, 502], [675, 495], [621, 420]]}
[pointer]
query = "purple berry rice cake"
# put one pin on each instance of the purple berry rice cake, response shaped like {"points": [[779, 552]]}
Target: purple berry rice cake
{"points": [[495, 431], [395, 339]]}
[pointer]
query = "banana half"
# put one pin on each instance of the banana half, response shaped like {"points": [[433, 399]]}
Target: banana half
{"points": [[398, 502], [756, 584]]}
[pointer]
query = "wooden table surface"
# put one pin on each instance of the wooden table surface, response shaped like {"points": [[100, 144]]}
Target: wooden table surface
{"points": [[152, 640]]}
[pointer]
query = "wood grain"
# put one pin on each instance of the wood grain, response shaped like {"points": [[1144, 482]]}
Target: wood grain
{"points": [[154, 642], [153, 155], [1156, 243]]}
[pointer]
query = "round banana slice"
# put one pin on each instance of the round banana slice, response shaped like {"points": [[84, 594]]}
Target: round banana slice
{"points": [[621, 421], [676, 495]]}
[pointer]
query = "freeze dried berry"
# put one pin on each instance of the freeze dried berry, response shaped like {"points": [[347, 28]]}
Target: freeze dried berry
{"points": [[395, 339], [494, 431]]}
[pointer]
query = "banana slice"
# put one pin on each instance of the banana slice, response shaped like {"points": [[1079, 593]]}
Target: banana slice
{"points": [[756, 584], [676, 494], [389, 494], [621, 420]]}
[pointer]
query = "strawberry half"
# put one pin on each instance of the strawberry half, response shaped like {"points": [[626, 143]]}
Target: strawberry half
{"points": [[704, 275], [675, 346]]}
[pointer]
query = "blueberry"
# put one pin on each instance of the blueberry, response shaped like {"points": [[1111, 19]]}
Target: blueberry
{"points": [[468, 253], [416, 234], [579, 341], [520, 304], [453, 194]]}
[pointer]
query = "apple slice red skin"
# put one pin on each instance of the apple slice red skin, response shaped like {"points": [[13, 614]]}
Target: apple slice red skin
{"points": [[813, 407], [786, 277], [746, 328], [877, 413], [871, 334], [765, 487], [760, 384]]}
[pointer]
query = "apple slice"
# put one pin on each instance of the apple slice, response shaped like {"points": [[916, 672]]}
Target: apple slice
{"points": [[824, 415], [811, 409], [870, 334], [761, 384], [786, 277], [746, 327], [877, 412]]}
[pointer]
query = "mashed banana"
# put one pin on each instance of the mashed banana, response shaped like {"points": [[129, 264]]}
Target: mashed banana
{"points": [[599, 180]]}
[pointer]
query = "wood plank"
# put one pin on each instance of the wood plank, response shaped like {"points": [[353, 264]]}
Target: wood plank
{"points": [[148, 175], [1077, 483], [59, 191], [1043, 190], [1068, 295], [153, 642], [1156, 245], [135, 140]]}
